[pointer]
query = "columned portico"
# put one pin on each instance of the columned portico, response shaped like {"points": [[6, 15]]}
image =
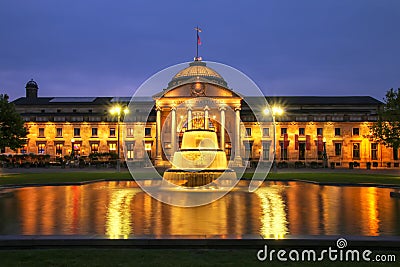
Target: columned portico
{"points": [[173, 131], [222, 134], [158, 135], [238, 158], [189, 118]]}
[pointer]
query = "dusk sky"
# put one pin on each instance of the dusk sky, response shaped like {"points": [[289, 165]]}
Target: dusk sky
{"points": [[109, 48]]}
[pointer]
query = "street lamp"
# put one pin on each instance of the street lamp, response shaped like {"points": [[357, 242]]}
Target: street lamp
{"points": [[117, 111], [274, 111]]}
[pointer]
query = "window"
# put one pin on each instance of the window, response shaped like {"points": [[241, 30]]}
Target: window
{"points": [[374, 151], [41, 132], [130, 150], [112, 147], [77, 148], [284, 152], [302, 150], [395, 154], [24, 149], [112, 132], [265, 151], [265, 131], [94, 131], [77, 132], [247, 150], [320, 131], [356, 131], [338, 132], [338, 149], [59, 148], [58, 110], [59, 132], [147, 132], [283, 131], [74, 110], [248, 131], [90, 111], [302, 131], [129, 132], [356, 150], [94, 147], [41, 148]]}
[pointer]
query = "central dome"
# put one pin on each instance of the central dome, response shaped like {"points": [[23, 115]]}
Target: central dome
{"points": [[197, 71], [198, 68]]}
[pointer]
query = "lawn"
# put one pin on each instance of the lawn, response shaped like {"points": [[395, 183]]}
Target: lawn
{"points": [[155, 257], [76, 177]]}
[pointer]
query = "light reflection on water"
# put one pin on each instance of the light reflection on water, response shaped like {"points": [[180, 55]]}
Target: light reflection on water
{"points": [[275, 210]]}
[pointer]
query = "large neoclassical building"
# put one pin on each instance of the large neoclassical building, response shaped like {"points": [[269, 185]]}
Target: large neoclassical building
{"points": [[310, 129]]}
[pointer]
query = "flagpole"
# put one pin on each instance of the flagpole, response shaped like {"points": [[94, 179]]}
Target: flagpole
{"points": [[197, 42]]}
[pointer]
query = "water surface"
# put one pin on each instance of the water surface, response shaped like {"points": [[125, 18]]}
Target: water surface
{"points": [[275, 210]]}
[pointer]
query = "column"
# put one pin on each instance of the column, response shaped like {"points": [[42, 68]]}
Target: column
{"points": [[206, 117], [222, 122], [173, 131], [238, 159], [158, 134], [189, 118]]}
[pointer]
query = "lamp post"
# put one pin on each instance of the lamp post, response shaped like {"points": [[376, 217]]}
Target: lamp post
{"points": [[116, 110], [274, 111]]}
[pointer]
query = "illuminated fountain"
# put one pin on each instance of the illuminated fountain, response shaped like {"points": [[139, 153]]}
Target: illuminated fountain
{"points": [[200, 162]]}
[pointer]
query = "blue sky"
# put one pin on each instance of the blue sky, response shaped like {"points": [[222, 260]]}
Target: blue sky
{"points": [[288, 47]]}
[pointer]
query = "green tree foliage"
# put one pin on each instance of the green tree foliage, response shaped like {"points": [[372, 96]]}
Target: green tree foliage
{"points": [[387, 129], [12, 130]]}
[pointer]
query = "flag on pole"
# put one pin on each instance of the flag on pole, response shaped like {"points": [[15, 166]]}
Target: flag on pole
{"points": [[198, 36]]}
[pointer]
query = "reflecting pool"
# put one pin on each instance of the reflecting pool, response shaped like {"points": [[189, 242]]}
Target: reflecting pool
{"points": [[275, 210]]}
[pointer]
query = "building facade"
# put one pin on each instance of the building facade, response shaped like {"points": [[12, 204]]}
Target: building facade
{"points": [[312, 130]]}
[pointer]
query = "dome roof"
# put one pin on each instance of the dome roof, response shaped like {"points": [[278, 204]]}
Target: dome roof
{"points": [[31, 84], [197, 70]]}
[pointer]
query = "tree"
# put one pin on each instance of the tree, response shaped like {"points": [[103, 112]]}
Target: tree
{"points": [[387, 129], [12, 130]]}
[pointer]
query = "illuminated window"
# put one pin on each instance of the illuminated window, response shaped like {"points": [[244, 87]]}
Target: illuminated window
{"points": [[59, 148], [94, 131], [302, 131], [338, 132], [356, 150], [356, 131], [129, 132], [130, 150], [147, 132], [265, 131], [338, 149], [374, 151], [112, 132], [248, 131], [41, 132], [59, 132], [147, 147], [112, 147], [320, 131], [94, 147], [77, 132], [41, 148]]}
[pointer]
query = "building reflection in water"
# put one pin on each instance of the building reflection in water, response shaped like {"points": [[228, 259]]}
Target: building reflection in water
{"points": [[273, 212]]}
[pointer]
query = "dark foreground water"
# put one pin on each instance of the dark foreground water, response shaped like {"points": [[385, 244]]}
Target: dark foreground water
{"points": [[276, 210]]}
